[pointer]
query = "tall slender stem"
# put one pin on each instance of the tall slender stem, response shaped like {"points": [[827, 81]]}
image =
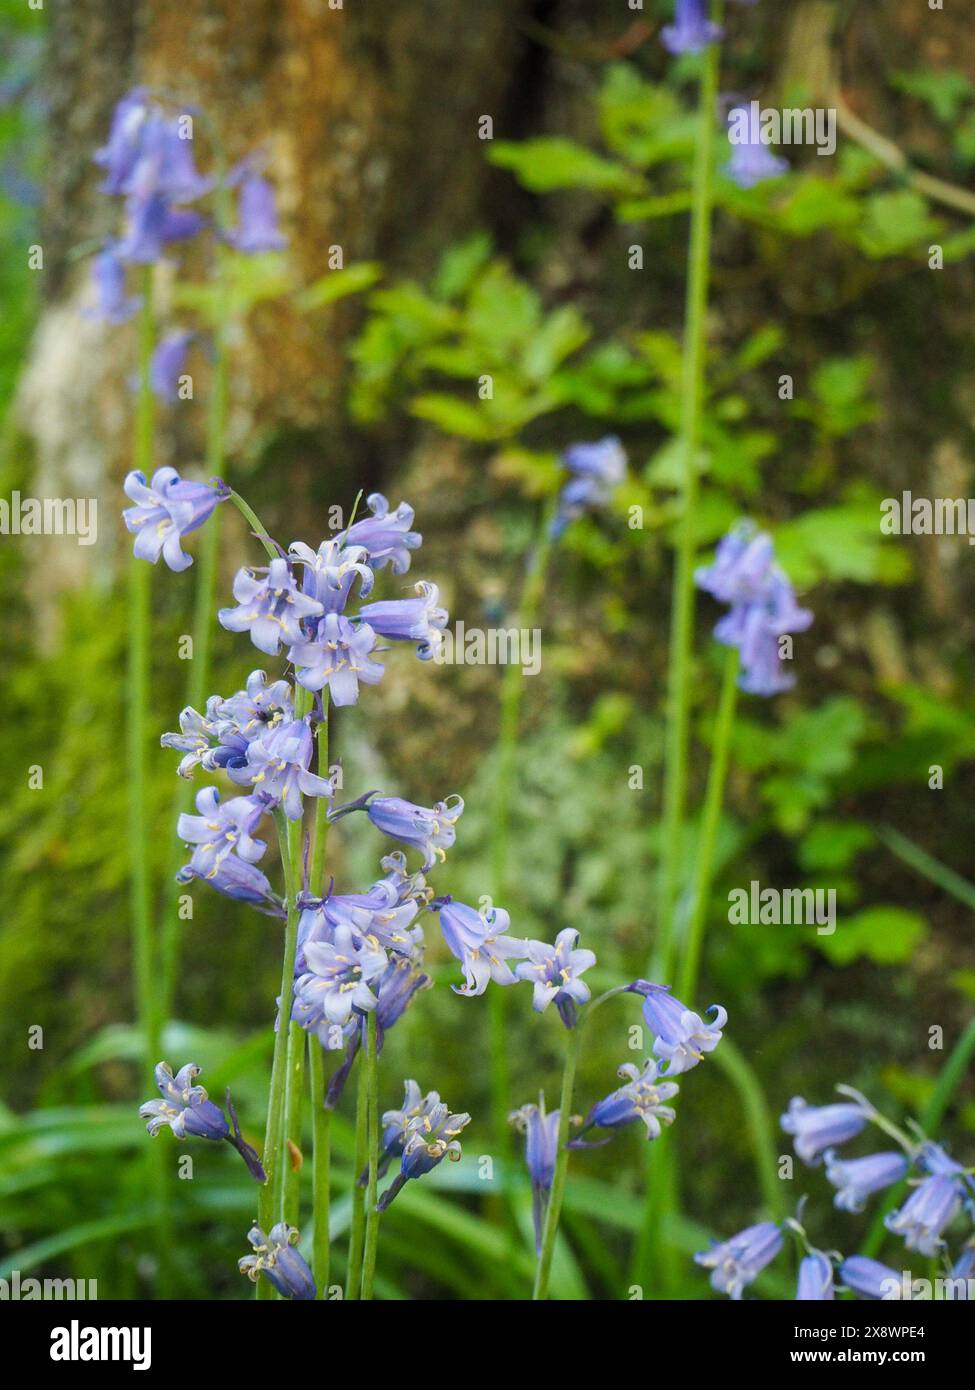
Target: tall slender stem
{"points": [[321, 1175], [353, 1277], [372, 1215], [294, 1086], [321, 1118], [140, 620], [512, 689], [682, 612], [554, 1210], [710, 819]]}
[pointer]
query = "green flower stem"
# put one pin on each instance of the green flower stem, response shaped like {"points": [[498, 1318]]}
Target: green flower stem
{"points": [[321, 1120], [321, 1173], [512, 690], [274, 1157], [372, 1191], [682, 613], [710, 819], [353, 1276], [554, 1209], [952, 1073], [140, 624], [256, 525]]}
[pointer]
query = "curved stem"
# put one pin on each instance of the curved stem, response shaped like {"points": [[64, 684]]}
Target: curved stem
{"points": [[682, 614], [256, 525], [372, 1215], [554, 1210]]}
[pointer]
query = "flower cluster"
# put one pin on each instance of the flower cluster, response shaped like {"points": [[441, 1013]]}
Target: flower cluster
{"points": [[762, 605], [941, 1191], [148, 161], [421, 1134]]}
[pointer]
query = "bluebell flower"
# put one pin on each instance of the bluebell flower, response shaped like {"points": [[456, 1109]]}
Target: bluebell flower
{"points": [[197, 737], [751, 161], [167, 365], [331, 570], [271, 608], [541, 1131], [277, 1259], [337, 657], [417, 620], [736, 1262], [220, 737], [930, 1208], [644, 1097], [429, 830], [338, 977], [395, 988], [166, 510], [185, 1108], [396, 1124], [596, 470], [691, 31], [962, 1271], [857, 1178], [257, 706], [384, 913], [221, 828], [763, 607], [429, 1139], [257, 227], [385, 536], [113, 303], [480, 942], [243, 882], [118, 157], [152, 224], [555, 971], [815, 1282], [816, 1128], [277, 766], [871, 1279], [681, 1037], [164, 164]]}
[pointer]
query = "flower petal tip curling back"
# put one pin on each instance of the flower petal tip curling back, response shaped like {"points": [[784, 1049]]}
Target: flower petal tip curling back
{"points": [[167, 509], [185, 1108], [556, 973], [682, 1038], [277, 1259]]}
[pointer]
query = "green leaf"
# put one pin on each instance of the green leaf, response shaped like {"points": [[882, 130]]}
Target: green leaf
{"points": [[896, 223], [887, 935], [832, 845], [946, 91], [339, 284], [551, 162]]}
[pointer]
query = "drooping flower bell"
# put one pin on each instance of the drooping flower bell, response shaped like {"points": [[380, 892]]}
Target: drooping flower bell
{"points": [[856, 1178], [556, 971], [385, 913], [395, 988], [928, 1211], [751, 162], [691, 31], [276, 765], [270, 606], [222, 828], [257, 227], [541, 1131], [113, 303], [187, 1110], [815, 1282], [816, 1128], [871, 1279], [596, 470], [430, 830], [243, 882], [396, 1124], [338, 977], [480, 942], [220, 737], [385, 536], [166, 510], [418, 620], [644, 1097], [763, 607], [429, 1139], [339, 657], [682, 1038], [168, 364], [277, 1259], [331, 570], [736, 1262]]}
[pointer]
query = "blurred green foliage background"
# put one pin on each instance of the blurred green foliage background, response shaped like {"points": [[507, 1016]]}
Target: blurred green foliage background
{"points": [[822, 275]]}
